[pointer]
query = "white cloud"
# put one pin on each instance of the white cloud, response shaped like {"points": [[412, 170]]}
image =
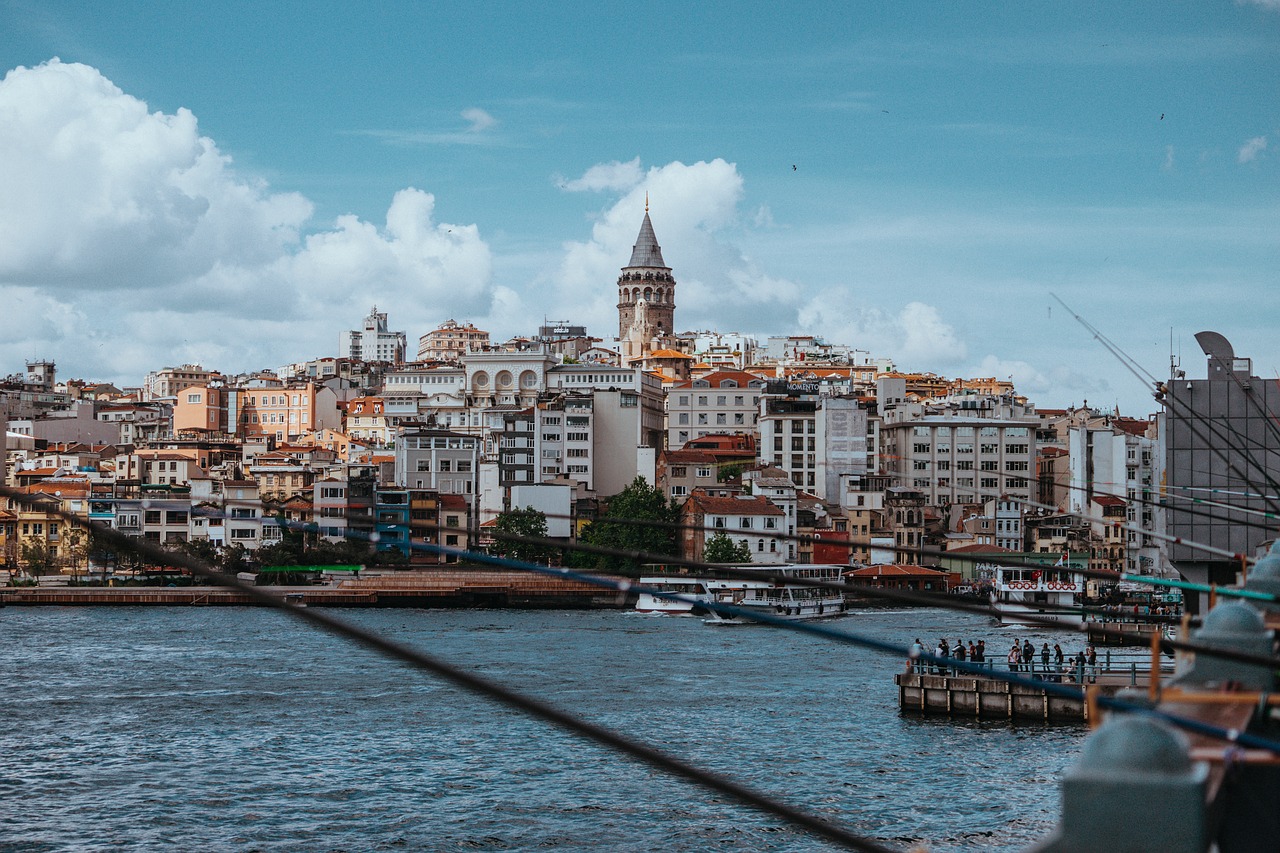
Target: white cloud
{"points": [[694, 208], [480, 120], [606, 176], [916, 338], [1167, 165], [131, 241], [1252, 148], [1265, 4]]}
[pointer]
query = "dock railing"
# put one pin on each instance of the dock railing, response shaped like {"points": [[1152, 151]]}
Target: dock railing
{"points": [[1111, 665]]}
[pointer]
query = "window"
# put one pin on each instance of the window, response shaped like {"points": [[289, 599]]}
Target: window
{"points": [[151, 516], [446, 464], [704, 473], [679, 491], [759, 544], [193, 398], [744, 523], [244, 533], [464, 466], [679, 471], [423, 465], [577, 436], [717, 522]]}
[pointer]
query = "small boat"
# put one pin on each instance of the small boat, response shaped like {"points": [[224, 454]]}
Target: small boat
{"points": [[296, 599], [1050, 591]]}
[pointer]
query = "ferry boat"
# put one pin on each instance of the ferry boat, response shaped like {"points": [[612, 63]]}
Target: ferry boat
{"points": [[793, 602], [692, 591], [1049, 591]]}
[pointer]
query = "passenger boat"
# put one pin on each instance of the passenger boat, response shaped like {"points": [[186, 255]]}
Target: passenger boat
{"points": [[1049, 591], [779, 600], [692, 591]]}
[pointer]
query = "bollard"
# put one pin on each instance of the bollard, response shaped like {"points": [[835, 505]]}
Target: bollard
{"points": [[1133, 674], [1265, 577], [1238, 626], [1132, 766]]}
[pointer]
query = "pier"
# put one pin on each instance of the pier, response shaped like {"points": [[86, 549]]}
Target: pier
{"points": [[449, 588], [988, 698]]}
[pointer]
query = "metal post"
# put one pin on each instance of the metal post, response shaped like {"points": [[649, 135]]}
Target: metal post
{"points": [[1133, 675]]}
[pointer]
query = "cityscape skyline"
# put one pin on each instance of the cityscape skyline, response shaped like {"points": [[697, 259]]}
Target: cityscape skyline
{"points": [[914, 184]]}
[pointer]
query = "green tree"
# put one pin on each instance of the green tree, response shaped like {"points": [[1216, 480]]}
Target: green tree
{"points": [[637, 502], [730, 471], [522, 522], [37, 557], [721, 549]]}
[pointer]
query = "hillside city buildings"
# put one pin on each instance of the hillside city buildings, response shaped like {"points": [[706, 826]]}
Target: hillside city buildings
{"points": [[771, 443]]}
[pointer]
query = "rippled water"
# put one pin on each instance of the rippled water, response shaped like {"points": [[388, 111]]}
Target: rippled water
{"points": [[237, 729]]}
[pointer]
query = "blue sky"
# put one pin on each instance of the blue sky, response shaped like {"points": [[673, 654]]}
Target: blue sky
{"points": [[234, 183]]}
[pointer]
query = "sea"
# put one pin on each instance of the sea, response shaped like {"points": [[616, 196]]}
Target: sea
{"points": [[242, 729]]}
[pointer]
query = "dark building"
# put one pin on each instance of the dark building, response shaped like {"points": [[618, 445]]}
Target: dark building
{"points": [[1222, 445]]}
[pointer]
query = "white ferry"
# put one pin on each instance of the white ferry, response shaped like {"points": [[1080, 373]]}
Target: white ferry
{"points": [[1048, 591], [779, 600], [692, 591]]}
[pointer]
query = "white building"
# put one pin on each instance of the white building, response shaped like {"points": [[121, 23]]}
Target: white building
{"points": [[373, 342]]}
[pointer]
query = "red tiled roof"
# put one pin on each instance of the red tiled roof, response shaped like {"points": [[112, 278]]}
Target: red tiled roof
{"points": [[744, 505]]}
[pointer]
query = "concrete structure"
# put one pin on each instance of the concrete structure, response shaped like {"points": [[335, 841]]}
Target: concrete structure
{"points": [[373, 341], [815, 439], [171, 381], [1221, 433], [719, 402], [451, 341], [961, 450]]}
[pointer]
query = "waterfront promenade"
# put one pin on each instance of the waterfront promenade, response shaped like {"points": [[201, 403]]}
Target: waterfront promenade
{"points": [[427, 588]]}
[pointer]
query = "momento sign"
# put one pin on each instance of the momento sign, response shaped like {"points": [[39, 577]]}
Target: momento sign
{"points": [[791, 388]]}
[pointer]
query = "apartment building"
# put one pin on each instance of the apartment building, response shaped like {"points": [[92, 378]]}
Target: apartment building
{"points": [[719, 402], [745, 519], [960, 451], [451, 341], [373, 341]]}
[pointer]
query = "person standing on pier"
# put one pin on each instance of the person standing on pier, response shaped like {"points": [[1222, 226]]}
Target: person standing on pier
{"points": [[1044, 657], [1091, 658], [1029, 655], [1057, 661], [1014, 657], [940, 652], [914, 664], [982, 652], [973, 653], [960, 653]]}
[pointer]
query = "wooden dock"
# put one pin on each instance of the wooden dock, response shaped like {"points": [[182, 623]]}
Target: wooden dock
{"points": [[429, 588]]}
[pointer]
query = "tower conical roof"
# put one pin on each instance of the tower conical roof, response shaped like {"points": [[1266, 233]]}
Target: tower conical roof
{"points": [[646, 252]]}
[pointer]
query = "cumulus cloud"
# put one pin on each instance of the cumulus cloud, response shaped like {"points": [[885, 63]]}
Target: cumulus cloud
{"points": [[916, 337], [694, 209], [1252, 148], [606, 176], [130, 238]]}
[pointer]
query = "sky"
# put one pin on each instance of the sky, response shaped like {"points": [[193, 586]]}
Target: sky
{"points": [[233, 184]]}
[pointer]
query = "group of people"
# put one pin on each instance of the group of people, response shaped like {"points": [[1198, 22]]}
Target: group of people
{"points": [[1053, 663], [973, 652]]}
